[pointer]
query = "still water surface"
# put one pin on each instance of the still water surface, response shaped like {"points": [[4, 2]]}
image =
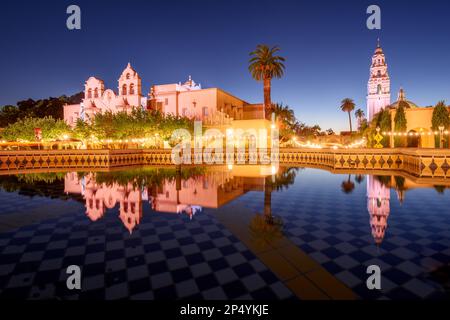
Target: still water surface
{"points": [[159, 233]]}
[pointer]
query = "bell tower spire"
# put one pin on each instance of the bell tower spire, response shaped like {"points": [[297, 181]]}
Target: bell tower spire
{"points": [[379, 85]]}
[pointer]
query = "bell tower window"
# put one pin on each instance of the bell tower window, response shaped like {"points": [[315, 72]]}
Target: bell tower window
{"points": [[124, 90]]}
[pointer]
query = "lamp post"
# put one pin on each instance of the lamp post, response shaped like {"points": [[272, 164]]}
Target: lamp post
{"points": [[441, 141]]}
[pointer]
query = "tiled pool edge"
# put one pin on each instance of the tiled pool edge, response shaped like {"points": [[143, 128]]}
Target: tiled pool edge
{"points": [[416, 162], [306, 278]]}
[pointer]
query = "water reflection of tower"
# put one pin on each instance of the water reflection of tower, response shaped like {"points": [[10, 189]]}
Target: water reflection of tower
{"points": [[378, 204]]}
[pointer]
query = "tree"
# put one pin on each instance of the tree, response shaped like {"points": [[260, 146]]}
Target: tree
{"points": [[359, 114], [347, 105], [380, 120], [303, 130], [286, 121], [264, 65], [23, 130], [50, 107], [400, 125], [137, 124], [8, 114], [385, 124], [440, 118]]}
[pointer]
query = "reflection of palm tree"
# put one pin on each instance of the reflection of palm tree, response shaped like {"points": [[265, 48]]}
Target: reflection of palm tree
{"points": [[400, 187], [282, 180], [359, 178], [267, 226], [268, 201], [348, 186]]}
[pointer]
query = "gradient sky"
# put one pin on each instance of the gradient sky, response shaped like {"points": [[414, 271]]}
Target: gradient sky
{"points": [[326, 44]]}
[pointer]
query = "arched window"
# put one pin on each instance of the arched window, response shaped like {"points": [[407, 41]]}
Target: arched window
{"points": [[379, 73], [96, 93], [128, 76], [124, 90], [89, 95], [132, 88], [379, 89]]}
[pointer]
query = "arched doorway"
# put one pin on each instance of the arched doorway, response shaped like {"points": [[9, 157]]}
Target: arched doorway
{"points": [[413, 140]]}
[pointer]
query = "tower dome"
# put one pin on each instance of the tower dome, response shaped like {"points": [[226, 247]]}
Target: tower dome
{"points": [[401, 101]]}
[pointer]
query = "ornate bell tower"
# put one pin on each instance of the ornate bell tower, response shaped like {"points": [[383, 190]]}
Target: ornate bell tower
{"points": [[379, 85]]}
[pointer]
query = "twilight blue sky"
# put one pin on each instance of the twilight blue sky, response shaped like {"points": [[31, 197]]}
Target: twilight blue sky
{"points": [[326, 44]]}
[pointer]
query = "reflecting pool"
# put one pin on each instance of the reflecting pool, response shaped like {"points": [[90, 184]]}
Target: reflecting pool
{"points": [[241, 232]]}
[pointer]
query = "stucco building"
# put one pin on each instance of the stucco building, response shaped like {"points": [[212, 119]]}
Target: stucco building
{"points": [[213, 106]]}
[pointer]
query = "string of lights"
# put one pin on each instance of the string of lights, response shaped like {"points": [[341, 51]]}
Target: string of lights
{"points": [[421, 133]]}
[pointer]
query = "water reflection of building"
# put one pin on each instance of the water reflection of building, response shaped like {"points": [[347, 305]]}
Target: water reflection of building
{"points": [[378, 204], [182, 196], [100, 197]]}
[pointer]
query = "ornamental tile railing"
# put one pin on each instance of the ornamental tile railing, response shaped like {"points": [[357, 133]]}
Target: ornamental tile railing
{"points": [[415, 162]]}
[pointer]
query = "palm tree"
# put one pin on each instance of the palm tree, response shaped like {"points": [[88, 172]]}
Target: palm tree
{"points": [[284, 114], [347, 105], [265, 65], [359, 114]]}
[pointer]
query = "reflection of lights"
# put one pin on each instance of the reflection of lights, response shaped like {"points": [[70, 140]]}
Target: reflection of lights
{"points": [[335, 147], [229, 132], [65, 137], [230, 167], [273, 170], [272, 126]]}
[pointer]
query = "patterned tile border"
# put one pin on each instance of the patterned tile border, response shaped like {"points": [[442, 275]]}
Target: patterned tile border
{"points": [[416, 162]]}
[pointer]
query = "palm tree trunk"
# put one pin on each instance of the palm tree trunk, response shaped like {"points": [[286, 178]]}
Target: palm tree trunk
{"points": [[267, 100], [350, 120]]}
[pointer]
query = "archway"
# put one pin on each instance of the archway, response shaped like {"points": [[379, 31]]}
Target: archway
{"points": [[413, 140]]}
